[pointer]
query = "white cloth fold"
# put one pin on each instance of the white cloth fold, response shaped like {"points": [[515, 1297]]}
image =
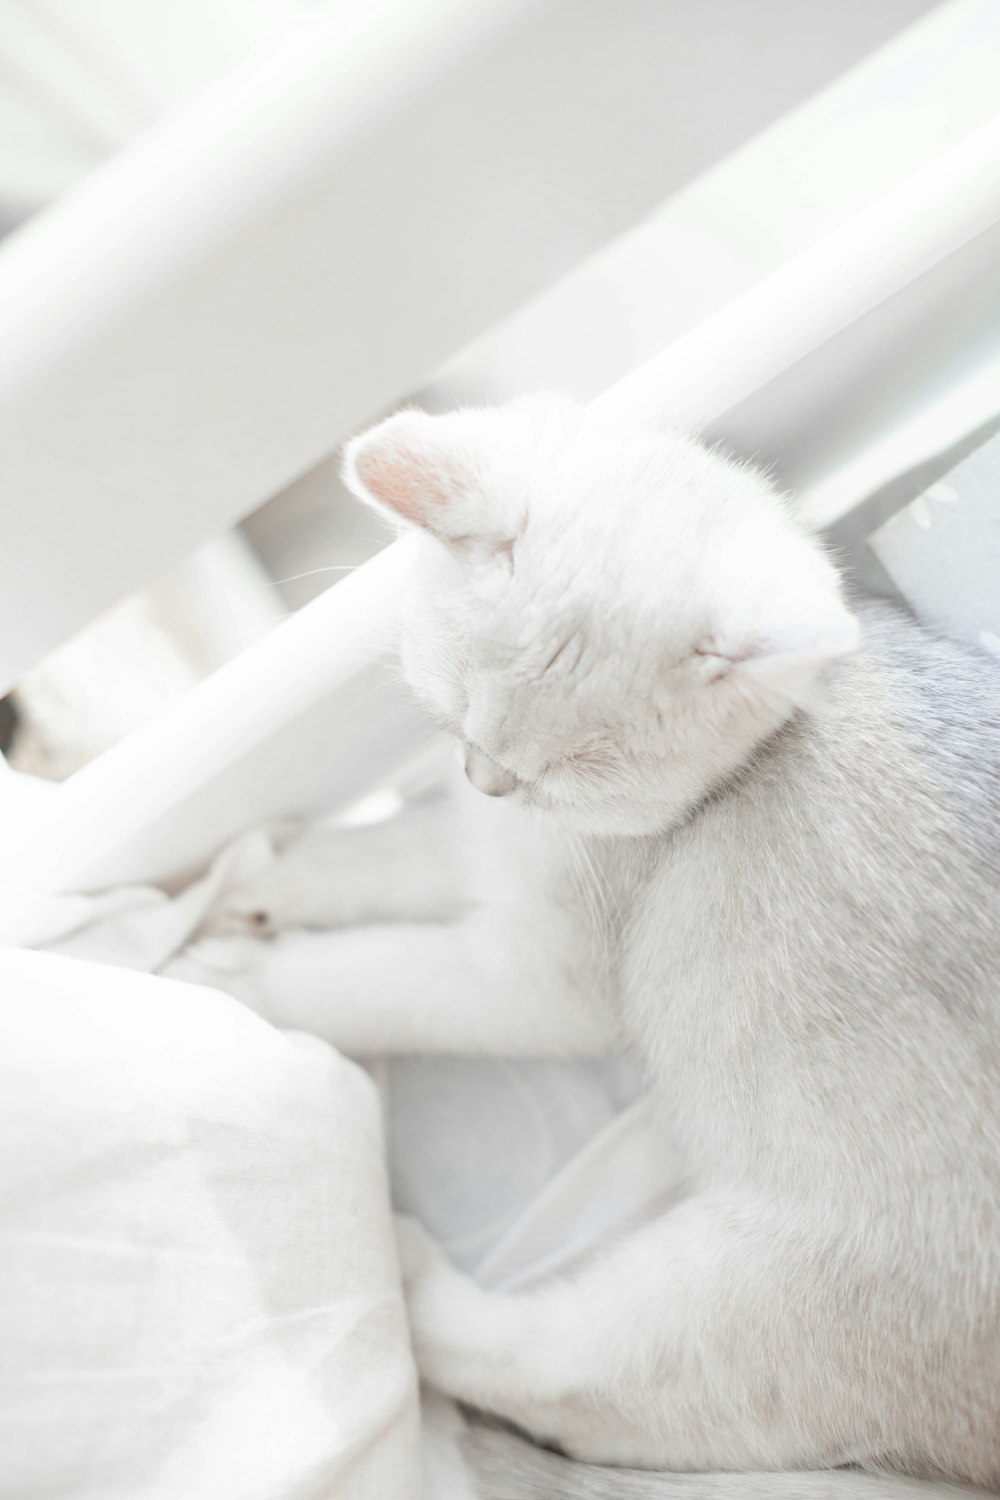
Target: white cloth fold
{"points": [[205, 1283], [199, 1293]]}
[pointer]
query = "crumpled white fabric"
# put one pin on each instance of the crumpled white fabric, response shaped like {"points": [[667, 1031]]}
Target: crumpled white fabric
{"points": [[199, 1294], [517, 1168]]}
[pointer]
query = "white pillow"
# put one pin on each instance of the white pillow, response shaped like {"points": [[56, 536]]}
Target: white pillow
{"points": [[198, 1286]]}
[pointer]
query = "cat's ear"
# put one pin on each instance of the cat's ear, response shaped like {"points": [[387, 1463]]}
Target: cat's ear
{"points": [[790, 660], [434, 472], [778, 639]]}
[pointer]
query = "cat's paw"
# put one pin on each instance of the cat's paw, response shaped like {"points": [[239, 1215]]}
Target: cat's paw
{"points": [[309, 884], [243, 913], [429, 1285], [269, 902], [274, 899], [451, 1319]]}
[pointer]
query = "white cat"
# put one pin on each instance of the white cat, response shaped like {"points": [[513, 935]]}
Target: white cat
{"points": [[790, 828]]}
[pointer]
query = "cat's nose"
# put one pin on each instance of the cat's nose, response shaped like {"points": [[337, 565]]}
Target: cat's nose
{"points": [[486, 776]]}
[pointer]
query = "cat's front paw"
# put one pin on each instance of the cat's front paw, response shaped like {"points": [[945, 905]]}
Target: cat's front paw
{"points": [[243, 913], [453, 1322], [270, 902], [311, 883], [281, 896]]}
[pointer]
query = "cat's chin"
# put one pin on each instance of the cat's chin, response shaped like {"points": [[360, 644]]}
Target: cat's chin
{"points": [[601, 822]]}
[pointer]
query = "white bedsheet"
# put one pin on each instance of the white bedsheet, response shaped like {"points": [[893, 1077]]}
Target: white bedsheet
{"points": [[199, 1294], [517, 1168]]}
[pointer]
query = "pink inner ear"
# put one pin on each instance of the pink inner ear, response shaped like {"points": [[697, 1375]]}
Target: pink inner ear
{"points": [[403, 479]]}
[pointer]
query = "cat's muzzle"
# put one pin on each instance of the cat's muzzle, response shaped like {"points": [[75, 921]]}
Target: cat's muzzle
{"points": [[486, 776]]}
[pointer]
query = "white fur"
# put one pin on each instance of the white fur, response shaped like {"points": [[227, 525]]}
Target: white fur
{"points": [[768, 864]]}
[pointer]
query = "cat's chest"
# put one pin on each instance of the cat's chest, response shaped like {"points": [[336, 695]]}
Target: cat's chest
{"points": [[698, 1001], [678, 942], [706, 969]]}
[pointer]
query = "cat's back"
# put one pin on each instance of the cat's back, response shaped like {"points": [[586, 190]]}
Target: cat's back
{"points": [[940, 702], [895, 778]]}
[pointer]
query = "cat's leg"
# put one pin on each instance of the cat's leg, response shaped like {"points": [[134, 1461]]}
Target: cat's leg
{"points": [[711, 1339], [406, 869], [477, 985]]}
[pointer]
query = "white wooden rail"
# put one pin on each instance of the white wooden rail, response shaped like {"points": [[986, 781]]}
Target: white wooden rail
{"points": [[275, 717], [203, 319], [824, 290], [207, 315]]}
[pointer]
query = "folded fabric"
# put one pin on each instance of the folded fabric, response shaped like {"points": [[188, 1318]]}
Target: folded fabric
{"points": [[198, 1287], [519, 1168]]}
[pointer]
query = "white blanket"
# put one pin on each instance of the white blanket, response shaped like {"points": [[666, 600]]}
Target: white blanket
{"points": [[199, 1295], [197, 1273]]}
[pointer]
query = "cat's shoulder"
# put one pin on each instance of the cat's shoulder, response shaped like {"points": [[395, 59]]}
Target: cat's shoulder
{"points": [[904, 746]]}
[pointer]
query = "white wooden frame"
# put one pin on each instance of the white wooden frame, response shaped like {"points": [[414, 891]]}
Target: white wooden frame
{"points": [[280, 726], [206, 316]]}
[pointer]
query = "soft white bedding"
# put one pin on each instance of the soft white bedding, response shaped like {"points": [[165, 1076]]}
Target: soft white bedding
{"points": [[198, 1228], [200, 1295]]}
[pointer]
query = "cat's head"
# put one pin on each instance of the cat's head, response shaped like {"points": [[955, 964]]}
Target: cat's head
{"points": [[611, 620]]}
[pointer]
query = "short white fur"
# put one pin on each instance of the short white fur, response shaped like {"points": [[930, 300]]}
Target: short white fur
{"points": [[757, 844]]}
